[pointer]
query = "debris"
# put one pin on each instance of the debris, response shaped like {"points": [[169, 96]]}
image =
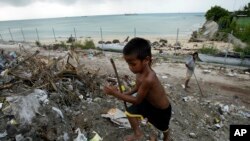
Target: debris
{"points": [[24, 107], [80, 136], [207, 71], [164, 77], [187, 98], [192, 135], [118, 117], [4, 134], [96, 137], [232, 74], [223, 109], [59, 112], [19, 137], [1, 105]]}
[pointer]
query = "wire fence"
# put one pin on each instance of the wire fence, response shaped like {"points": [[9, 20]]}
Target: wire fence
{"points": [[55, 34], [35, 34]]}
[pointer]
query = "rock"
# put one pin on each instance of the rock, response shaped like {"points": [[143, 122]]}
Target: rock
{"points": [[108, 42], [116, 41], [192, 135], [101, 42], [163, 41]]}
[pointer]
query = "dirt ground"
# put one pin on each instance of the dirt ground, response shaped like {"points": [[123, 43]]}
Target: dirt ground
{"points": [[196, 116]]}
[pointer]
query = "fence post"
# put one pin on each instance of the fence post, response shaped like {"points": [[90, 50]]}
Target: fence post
{"points": [[37, 35], [23, 35], [101, 37], [177, 35], [11, 35], [75, 33], [1, 37], [134, 32], [54, 34]]}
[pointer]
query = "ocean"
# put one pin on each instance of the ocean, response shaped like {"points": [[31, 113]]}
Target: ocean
{"points": [[164, 24]]}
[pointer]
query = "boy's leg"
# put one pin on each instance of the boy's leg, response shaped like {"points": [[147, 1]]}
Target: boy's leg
{"points": [[134, 122], [166, 136], [186, 83]]}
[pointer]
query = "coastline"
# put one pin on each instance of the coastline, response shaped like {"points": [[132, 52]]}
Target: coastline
{"points": [[186, 46]]}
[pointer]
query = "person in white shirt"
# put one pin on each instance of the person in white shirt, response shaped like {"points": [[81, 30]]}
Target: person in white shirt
{"points": [[190, 64]]}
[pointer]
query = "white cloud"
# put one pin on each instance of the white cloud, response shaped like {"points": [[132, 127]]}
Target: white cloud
{"points": [[26, 9]]}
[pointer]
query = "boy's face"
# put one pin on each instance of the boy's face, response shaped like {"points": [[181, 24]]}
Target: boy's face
{"points": [[196, 56], [135, 65]]}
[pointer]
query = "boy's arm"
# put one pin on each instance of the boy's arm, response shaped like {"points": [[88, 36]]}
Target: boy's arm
{"points": [[141, 93], [134, 90]]}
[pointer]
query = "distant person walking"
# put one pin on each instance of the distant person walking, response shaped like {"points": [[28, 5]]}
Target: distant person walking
{"points": [[190, 64]]}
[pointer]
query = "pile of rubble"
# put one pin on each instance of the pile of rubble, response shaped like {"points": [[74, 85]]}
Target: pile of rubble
{"points": [[44, 98]]}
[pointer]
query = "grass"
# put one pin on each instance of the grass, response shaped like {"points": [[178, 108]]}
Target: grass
{"points": [[243, 21], [243, 51], [88, 44], [38, 43], [210, 49]]}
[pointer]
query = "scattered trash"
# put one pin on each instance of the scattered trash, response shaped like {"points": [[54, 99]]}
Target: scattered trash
{"points": [[4, 134], [96, 137], [192, 135], [58, 111], [207, 71], [23, 107], [117, 116], [187, 98], [183, 86], [232, 74], [1, 105], [19, 137], [164, 77], [223, 109], [80, 136]]}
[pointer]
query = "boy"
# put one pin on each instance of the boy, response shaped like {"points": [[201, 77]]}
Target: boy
{"points": [[190, 64], [151, 101]]}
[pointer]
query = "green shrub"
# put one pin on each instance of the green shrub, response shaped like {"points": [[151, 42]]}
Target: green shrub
{"points": [[215, 13], [60, 45], [38, 43], [243, 51], [225, 22], [243, 33], [208, 50], [88, 44]]}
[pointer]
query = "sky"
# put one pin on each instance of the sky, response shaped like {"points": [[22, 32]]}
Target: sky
{"points": [[35, 9]]}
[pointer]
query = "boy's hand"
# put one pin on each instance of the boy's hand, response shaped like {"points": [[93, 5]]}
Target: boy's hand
{"points": [[110, 90]]}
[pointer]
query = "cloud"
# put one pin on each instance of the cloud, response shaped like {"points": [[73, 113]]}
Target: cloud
{"points": [[20, 3]]}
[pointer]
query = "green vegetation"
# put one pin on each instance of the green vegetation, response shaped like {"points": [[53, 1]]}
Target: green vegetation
{"points": [[88, 44], [243, 51], [38, 43], [243, 21], [215, 13], [228, 22], [210, 49]]}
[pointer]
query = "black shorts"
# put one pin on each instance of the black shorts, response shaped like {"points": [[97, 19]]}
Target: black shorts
{"points": [[158, 117]]}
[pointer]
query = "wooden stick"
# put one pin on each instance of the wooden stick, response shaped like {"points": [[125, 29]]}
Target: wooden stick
{"points": [[198, 84], [118, 80]]}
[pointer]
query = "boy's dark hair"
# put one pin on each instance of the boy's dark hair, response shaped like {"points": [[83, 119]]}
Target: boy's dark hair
{"points": [[195, 53], [138, 46]]}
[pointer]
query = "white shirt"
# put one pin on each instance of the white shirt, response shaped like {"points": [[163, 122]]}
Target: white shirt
{"points": [[190, 63]]}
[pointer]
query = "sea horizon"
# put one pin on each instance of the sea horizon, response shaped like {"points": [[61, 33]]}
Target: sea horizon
{"points": [[127, 24], [126, 14]]}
